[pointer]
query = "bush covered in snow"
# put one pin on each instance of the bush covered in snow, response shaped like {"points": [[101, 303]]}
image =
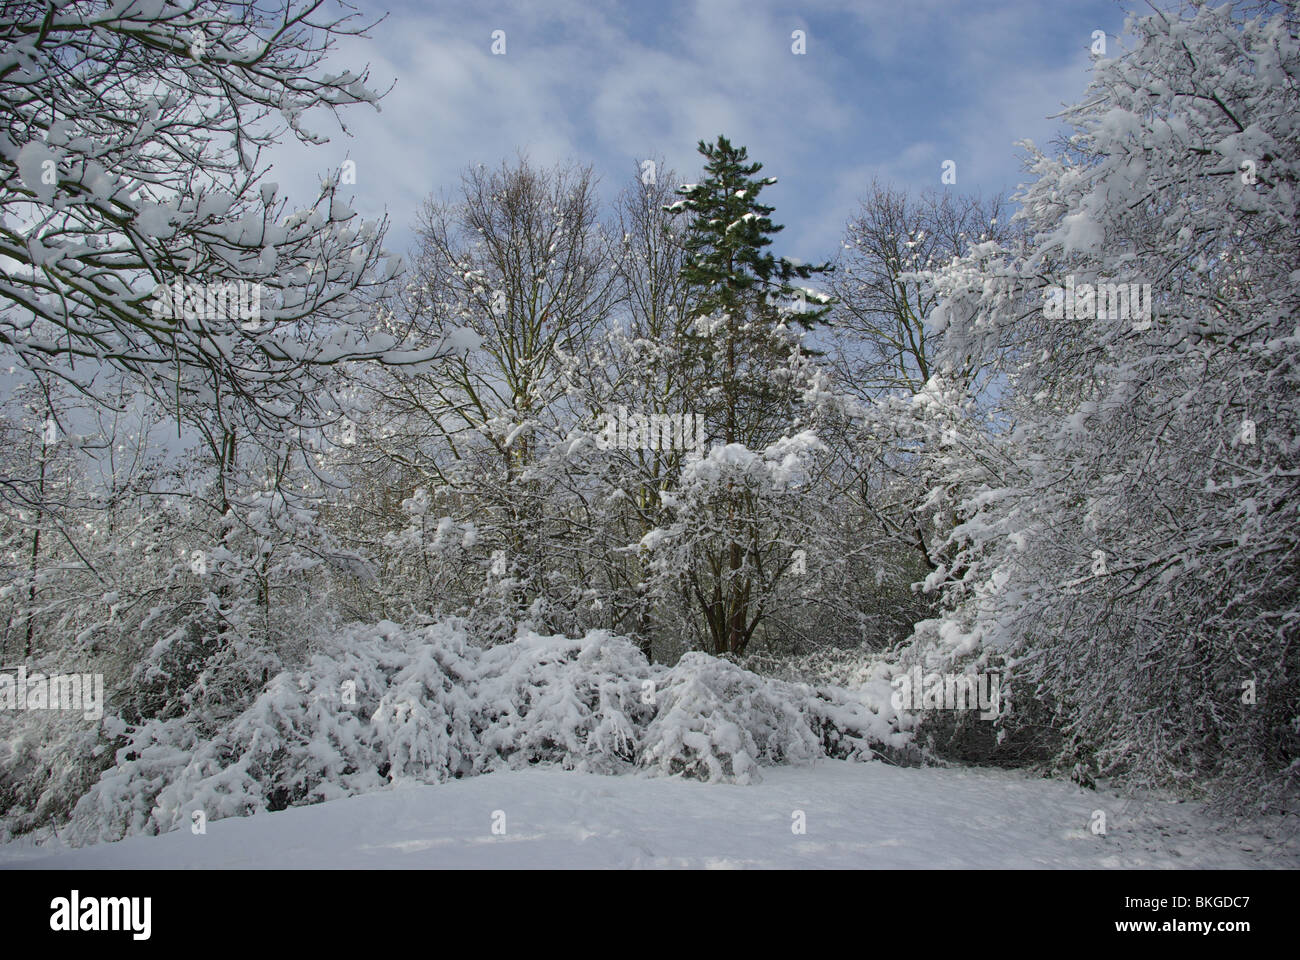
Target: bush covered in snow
{"points": [[379, 704], [718, 722], [47, 760]]}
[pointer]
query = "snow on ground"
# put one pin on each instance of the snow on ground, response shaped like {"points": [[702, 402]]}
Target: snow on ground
{"points": [[858, 815]]}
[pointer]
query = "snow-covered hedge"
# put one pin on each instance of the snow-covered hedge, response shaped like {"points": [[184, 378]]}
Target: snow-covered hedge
{"points": [[380, 704], [48, 758]]}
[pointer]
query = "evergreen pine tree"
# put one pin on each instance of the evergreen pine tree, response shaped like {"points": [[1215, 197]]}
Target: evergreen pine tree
{"points": [[742, 298], [747, 367]]}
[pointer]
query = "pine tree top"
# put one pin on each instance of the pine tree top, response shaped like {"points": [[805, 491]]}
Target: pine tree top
{"points": [[728, 230]]}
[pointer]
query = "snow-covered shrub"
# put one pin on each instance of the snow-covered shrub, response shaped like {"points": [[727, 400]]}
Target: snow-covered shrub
{"points": [[860, 723], [848, 695], [378, 704], [47, 760], [856, 667], [701, 729], [372, 706], [577, 703], [122, 801], [717, 721], [424, 724]]}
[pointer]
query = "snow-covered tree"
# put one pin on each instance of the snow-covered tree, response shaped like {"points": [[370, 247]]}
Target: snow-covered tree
{"points": [[743, 356], [521, 260], [138, 232], [1129, 537]]}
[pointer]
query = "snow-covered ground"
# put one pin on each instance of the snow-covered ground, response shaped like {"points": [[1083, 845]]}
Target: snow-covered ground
{"points": [[857, 815]]}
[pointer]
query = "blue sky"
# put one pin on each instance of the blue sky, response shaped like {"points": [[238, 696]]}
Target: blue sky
{"points": [[886, 89]]}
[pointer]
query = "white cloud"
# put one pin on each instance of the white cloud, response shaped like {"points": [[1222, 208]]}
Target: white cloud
{"points": [[884, 89]]}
